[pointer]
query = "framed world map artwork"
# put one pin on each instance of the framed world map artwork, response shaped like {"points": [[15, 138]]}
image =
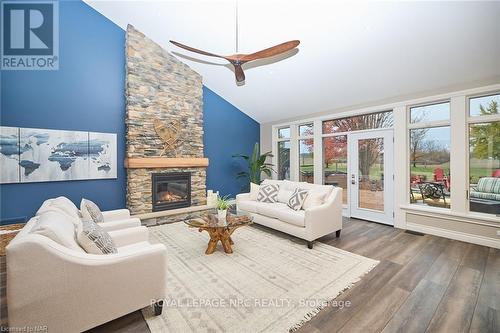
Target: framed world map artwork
{"points": [[39, 155]]}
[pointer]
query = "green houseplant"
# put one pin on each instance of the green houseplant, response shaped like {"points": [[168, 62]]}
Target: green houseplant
{"points": [[222, 206], [256, 165]]}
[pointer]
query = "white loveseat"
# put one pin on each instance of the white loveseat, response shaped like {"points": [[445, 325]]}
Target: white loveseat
{"points": [[67, 289], [318, 219]]}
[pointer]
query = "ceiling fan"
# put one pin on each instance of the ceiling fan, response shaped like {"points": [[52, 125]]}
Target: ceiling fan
{"points": [[239, 59]]}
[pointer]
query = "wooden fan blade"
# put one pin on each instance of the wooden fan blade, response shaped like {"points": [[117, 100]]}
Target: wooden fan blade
{"points": [[192, 49], [238, 71], [270, 52]]}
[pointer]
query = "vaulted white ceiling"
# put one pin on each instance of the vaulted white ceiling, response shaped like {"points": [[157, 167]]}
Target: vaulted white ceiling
{"points": [[350, 53]]}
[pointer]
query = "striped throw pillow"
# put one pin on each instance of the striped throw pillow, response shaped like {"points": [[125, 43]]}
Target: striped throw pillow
{"points": [[93, 239]]}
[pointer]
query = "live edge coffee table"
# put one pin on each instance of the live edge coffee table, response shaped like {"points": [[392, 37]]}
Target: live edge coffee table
{"points": [[219, 230]]}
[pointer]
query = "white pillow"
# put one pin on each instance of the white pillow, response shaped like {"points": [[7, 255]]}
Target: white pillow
{"points": [[284, 195], [58, 227], [61, 204], [314, 199], [254, 191], [290, 186], [317, 194], [90, 211], [272, 182], [95, 240]]}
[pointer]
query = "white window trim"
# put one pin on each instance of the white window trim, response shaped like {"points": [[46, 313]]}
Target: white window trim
{"points": [[471, 120], [275, 140], [401, 128], [420, 125]]}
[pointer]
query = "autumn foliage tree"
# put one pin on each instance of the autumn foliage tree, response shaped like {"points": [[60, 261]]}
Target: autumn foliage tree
{"points": [[335, 148]]}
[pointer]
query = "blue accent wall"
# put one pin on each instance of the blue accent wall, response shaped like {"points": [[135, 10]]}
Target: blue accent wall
{"points": [[228, 131], [87, 94]]}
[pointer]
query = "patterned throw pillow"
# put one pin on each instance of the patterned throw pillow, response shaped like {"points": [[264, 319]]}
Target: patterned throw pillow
{"points": [[93, 239], [268, 193], [90, 211], [297, 199]]}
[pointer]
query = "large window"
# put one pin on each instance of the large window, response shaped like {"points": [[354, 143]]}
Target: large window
{"points": [[283, 153], [358, 123], [335, 163], [430, 113], [430, 180], [306, 153], [484, 154]]}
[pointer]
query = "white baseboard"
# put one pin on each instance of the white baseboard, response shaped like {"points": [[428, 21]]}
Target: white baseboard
{"points": [[452, 234]]}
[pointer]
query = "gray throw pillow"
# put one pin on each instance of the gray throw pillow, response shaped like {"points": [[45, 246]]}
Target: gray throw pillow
{"points": [[93, 239], [297, 199], [91, 211], [268, 193]]}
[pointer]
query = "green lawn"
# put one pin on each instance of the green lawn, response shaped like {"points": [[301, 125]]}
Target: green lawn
{"points": [[428, 171], [423, 170], [375, 172]]}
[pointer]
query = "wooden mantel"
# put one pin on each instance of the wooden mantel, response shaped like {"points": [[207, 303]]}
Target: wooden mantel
{"points": [[166, 162]]}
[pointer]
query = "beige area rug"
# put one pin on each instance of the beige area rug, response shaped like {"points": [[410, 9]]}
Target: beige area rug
{"points": [[269, 283]]}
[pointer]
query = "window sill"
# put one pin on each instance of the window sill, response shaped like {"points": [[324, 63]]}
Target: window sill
{"points": [[482, 219]]}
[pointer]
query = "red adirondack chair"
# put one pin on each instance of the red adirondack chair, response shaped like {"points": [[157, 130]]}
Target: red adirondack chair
{"points": [[496, 173], [438, 175]]}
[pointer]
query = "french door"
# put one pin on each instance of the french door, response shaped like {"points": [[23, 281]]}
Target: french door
{"points": [[370, 178]]}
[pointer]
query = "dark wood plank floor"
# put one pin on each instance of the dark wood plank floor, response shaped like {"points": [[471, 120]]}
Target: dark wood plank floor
{"points": [[422, 284]]}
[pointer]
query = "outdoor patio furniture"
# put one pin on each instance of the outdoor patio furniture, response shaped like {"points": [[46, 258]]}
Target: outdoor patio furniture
{"points": [[485, 196], [434, 194]]}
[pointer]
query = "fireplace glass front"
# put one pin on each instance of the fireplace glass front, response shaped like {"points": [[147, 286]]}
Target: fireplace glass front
{"points": [[171, 190]]}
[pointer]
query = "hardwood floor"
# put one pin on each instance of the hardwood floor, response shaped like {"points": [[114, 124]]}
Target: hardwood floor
{"points": [[422, 284]]}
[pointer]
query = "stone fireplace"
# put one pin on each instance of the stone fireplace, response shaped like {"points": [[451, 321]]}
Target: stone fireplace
{"points": [[161, 89]]}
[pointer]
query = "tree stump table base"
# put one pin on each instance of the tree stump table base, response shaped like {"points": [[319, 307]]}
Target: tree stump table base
{"points": [[219, 231]]}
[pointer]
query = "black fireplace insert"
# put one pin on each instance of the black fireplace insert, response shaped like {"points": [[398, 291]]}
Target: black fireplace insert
{"points": [[171, 190]]}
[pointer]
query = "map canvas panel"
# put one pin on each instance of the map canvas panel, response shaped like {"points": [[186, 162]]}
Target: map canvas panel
{"points": [[52, 155], [9, 154], [102, 155]]}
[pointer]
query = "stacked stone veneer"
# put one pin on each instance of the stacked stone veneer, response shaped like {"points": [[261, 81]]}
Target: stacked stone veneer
{"points": [[158, 86]]}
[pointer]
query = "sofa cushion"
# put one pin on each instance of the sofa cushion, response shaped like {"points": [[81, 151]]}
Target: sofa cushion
{"points": [[59, 227], [61, 204], [133, 248], [268, 193], [489, 185], [248, 206], [93, 239], [284, 195], [272, 182], [270, 209], [317, 194], [295, 217], [485, 195], [297, 199], [91, 211], [289, 185], [254, 191]]}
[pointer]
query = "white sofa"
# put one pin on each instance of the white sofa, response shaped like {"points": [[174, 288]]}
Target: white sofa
{"points": [[68, 290], [113, 219], [309, 224]]}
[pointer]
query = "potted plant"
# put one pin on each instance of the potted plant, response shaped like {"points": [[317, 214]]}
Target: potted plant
{"points": [[256, 165], [222, 206]]}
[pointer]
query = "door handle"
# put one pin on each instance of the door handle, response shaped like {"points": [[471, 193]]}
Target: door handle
{"points": [[353, 179]]}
